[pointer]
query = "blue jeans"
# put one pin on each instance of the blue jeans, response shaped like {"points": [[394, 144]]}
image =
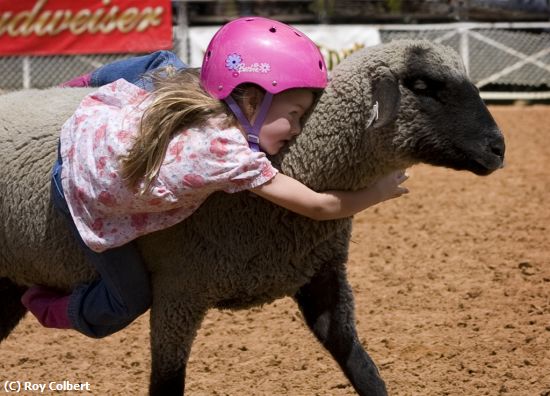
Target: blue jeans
{"points": [[134, 69], [120, 295], [123, 291]]}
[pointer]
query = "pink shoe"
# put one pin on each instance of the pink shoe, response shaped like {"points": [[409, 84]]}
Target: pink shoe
{"points": [[48, 305], [80, 81]]}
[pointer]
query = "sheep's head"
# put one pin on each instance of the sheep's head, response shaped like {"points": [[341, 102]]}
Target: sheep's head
{"points": [[427, 103]]}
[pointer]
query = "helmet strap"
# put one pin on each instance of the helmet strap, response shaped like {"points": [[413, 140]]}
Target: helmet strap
{"points": [[252, 131]]}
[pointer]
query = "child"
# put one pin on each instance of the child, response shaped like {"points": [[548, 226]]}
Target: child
{"points": [[132, 162]]}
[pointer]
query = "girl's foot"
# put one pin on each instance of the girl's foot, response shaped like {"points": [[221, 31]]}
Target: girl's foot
{"points": [[48, 305], [80, 81]]}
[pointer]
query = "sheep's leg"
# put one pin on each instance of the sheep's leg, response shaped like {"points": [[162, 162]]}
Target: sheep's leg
{"points": [[327, 305], [174, 326], [11, 309]]}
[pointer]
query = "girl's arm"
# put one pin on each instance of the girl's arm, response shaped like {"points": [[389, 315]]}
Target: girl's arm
{"points": [[329, 205]]}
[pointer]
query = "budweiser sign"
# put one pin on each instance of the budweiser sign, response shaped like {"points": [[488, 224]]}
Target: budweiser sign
{"points": [[45, 27]]}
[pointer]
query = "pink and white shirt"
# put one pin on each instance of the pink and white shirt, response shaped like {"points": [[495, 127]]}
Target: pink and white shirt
{"points": [[198, 162]]}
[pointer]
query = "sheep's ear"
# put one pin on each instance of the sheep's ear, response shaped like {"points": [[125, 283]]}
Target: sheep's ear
{"points": [[385, 91]]}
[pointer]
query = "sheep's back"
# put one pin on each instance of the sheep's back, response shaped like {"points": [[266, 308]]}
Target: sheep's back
{"points": [[30, 123], [236, 250]]}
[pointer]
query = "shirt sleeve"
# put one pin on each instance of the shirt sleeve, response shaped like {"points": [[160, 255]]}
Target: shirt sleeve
{"points": [[228, 164], [119, 93]]}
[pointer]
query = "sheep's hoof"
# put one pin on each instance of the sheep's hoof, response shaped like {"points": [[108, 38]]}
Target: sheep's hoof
{"points": [[169, 385]]}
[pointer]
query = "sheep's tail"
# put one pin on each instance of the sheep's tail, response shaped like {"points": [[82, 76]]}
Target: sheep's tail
{"points": [[11, 309]]}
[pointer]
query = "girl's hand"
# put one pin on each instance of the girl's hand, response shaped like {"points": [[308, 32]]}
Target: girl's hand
{"points": [[389, 186]]}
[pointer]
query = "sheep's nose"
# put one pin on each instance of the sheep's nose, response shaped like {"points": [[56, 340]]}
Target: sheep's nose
{"points": [[498, 147]]}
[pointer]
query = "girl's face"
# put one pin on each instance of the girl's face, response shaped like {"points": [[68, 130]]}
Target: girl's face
{"points": [[283, 120]]}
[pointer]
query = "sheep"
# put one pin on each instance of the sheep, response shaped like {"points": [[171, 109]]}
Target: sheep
{"points": [[386, 107]]}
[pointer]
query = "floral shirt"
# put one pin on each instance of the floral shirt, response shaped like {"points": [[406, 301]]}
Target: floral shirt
{"points": [[198, 162]]}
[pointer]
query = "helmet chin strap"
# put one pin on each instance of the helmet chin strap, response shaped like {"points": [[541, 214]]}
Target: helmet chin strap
{"points": [[252, 131]]}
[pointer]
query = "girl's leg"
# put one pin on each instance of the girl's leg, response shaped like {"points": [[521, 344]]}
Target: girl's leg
{"points": [[117, 298], [131, 69], [100, 308]]}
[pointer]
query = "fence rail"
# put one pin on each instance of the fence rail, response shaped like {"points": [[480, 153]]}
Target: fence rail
{"points": [[507, 61]]}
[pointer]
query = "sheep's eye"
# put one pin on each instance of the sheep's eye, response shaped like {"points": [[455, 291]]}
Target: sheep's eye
{"points": [[419, 85], [425, 86]]}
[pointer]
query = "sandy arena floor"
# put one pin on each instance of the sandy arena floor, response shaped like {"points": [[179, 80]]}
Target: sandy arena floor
{"points": [[452, 287]]}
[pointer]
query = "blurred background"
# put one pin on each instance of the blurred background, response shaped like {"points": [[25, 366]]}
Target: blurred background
{"points": [[505, 44]]}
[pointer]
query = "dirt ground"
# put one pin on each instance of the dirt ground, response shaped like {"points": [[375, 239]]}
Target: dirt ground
{"points": [[452, 288]]}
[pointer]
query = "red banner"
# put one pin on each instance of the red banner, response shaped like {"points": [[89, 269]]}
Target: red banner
{"points": [[48, 27]]}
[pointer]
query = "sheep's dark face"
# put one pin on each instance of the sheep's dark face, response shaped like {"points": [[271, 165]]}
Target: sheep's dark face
{"points": [[445, 121]]}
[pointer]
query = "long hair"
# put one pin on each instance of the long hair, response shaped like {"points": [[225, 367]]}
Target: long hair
{"points": [[179, 102]]}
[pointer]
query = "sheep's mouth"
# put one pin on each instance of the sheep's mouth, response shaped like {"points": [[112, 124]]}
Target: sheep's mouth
{"points": [[483, 159], [480, 161], [485, 163], [480, 169]]}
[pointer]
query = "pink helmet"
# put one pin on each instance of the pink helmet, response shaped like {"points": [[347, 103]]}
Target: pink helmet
{"points": [[262, 51]]}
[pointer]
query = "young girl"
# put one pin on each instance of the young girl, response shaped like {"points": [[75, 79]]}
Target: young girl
{"points": [[132, 162]]}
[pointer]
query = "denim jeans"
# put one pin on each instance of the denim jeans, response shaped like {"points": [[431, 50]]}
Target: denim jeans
{"points": [[134, 69], [123, 291]]}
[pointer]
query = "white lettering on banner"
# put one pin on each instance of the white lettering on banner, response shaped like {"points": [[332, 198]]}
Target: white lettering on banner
{"points": [[41, 22]]}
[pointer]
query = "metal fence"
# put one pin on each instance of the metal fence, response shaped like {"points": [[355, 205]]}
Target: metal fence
{"points": [[212, 12], [23, 72], [506, 60], [46, 71]]}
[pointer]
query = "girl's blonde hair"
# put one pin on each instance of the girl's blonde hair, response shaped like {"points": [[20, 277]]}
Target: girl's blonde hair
{"points": [[179, 102]]}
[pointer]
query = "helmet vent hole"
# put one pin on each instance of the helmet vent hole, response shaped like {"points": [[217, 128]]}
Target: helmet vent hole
{"points": [[208, 54], [297, 34], [320, 65], [273, 29]]}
